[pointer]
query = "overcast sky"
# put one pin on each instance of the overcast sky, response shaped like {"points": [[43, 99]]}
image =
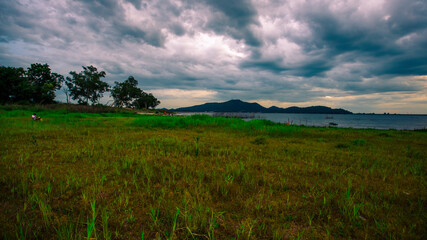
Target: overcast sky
{"points": [[361, 55]]}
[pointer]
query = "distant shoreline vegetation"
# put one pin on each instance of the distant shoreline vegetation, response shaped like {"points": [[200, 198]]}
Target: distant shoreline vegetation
{"points": [[241, 106]]}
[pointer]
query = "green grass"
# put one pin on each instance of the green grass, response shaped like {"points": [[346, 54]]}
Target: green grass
{"points": [[107, 175]]}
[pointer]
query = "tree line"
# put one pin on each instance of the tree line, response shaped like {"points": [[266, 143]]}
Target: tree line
{"points": [[37, 84]]}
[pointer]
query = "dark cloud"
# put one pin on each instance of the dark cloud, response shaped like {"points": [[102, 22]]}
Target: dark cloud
{"points": [[102, 9], [150, 36], [234, 18], [310, 68], [291, 51], [177, 29], [241, 13], [114, 68], [405, 65], [14, 20], [379, 85], [315, 67], [136, 3], [269, 65], [376, 38], [107, 17], [406, 16]]}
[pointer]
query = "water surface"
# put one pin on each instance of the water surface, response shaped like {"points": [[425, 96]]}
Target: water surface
{"points": [[376, 121]]}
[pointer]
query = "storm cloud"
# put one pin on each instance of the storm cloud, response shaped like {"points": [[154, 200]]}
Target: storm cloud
{"points": [[359, 55]]}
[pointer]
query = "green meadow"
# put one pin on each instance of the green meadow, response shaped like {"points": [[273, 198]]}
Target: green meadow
{"points": [[119, 175]]}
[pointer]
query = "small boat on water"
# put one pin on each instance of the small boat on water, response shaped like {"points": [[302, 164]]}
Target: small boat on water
{"points": [[332, 124]]}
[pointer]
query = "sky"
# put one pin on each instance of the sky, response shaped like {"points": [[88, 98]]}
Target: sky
{"points": [[360, 55]]}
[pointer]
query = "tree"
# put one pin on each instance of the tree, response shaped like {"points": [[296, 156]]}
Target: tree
{"points": [[36, 85], [14, 86], [145, 100], [125, 93], [43, 83], [87, 85]]}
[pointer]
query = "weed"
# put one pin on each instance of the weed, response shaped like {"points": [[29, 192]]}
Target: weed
{"points": [[202, 177], [154, 214], [259, 141], [359, 142], [342, 146], [105, 230], [91, 222]]}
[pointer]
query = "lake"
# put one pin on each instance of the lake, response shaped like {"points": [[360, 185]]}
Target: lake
{"points": [[377, 121]]}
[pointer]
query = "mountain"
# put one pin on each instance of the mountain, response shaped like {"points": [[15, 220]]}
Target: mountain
{"points": [[230, 106], [240, 106]]}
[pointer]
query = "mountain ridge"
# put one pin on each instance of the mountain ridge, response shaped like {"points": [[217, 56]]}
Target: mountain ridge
{"points": [[237, 105]]}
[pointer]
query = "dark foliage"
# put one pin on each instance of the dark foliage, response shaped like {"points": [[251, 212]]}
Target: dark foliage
{"points": [[87, 85], [14, 86], [129, 95], [43, 83], [125, 93], [36, 85], [145, 100]]}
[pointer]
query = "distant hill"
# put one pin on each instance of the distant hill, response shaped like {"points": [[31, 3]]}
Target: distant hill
{"points": [[240, 106]]}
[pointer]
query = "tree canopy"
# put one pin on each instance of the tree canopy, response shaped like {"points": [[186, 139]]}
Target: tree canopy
{"points": [[145, 100], [11, 81], [87, 85], [36, 85], [43, 83], [129, 95], [125, 93]]}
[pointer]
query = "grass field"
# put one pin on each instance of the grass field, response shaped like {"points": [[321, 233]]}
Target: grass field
{"points": [[126, 176]]}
